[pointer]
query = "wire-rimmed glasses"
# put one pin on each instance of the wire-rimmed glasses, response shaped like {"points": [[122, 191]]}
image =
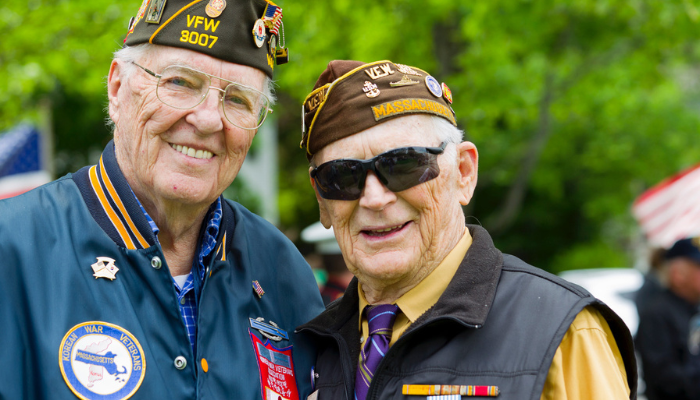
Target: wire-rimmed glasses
{"points": [[185, 88]]}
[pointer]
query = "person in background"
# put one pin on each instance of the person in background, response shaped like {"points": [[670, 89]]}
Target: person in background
{"points": [[134, 277], [668, 338], [337, 276], [435, 308], [654, 280]]}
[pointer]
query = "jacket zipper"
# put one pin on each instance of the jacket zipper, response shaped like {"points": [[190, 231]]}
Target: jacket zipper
{"points": [[345, 363]]}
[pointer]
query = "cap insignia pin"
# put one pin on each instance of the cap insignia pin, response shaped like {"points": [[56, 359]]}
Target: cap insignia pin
{"points": [[104, 268], [433, 86], [405, 81], [696, 242], [371, 89], [259, 33], [155, 11], [406, 70], [271, 331], [215, 7], [446, 93]]}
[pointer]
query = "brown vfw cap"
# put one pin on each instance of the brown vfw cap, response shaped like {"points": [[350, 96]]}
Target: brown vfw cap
{"points": [[245, 32], [351, 96]]}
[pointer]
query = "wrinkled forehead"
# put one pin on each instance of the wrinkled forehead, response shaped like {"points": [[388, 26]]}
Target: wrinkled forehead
{"points": [[412, 130], [165, 56]]}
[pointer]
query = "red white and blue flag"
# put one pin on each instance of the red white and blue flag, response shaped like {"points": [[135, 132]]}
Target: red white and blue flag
{"points": [[670, 211], [21, 163], [272, 17]]}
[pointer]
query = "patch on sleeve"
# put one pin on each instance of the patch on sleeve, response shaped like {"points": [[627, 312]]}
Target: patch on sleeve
{"points": [[276, 368], [101, 361]]}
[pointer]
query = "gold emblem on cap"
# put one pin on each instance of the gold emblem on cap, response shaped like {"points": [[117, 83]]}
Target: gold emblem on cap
{"points": [[379, 71], [405, 81], [406, 70], [371, 89], [155, 11], [104, 268], [215, 8]]}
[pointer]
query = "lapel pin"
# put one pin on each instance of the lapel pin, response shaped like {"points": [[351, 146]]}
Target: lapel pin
{"points": [[104, 268], [258, 289], [271, 331]]}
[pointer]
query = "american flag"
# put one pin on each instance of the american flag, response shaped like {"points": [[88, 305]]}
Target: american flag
{"points": [[258, 289], [670, 211], [21, 164], [273, 17]]}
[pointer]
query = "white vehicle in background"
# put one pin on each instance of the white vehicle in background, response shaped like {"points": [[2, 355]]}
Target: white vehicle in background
{"points": [[616, 287]]}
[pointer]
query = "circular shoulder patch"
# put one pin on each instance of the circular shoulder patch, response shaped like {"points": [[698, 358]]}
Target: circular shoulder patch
{"points": [[433, 86], [100, 360]]}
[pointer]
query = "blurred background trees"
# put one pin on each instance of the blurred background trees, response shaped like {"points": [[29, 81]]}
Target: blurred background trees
{"points": [[576, 107]]}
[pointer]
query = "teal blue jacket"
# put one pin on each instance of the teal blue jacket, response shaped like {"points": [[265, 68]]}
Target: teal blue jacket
{"points": [[68, 330]]}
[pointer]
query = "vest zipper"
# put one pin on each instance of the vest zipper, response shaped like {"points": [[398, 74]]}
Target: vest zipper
{"points": [[345, 362]]}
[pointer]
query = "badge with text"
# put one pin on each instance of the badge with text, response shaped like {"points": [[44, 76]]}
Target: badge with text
{"points": [[276, 367], [105, 268], [101, 361], [259, 33]]}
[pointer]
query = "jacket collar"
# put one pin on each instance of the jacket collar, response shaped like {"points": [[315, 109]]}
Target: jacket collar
{"points": [[113, 204], [468, 297]]}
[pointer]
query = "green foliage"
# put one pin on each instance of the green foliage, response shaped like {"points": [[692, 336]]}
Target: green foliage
{"points": [[575, 106]]}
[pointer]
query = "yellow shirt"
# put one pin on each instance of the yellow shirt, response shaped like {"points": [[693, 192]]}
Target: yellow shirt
{"points": [[586, 364]]}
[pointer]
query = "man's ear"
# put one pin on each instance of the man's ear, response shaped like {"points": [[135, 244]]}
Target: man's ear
{"points": [[114, 83], [324, 215], [468, 166]]}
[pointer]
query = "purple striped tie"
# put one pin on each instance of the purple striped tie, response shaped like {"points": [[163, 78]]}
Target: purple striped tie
{"points": [[381, 321]]}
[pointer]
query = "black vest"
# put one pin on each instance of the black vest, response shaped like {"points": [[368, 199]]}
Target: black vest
{"points": [[499, 322]]}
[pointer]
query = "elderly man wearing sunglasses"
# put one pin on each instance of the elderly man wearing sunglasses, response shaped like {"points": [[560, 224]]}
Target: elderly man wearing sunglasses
{"points": [[435, 309], [135, 278]]}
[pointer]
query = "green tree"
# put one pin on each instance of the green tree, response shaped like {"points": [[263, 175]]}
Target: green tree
{"points": [[576, 106]]}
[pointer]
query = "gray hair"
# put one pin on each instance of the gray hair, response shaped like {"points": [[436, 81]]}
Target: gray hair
{"points": [[131, 54]]}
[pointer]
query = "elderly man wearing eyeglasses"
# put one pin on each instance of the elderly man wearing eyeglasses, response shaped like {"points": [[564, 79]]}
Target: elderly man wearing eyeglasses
{"points": [[435, 311], [134, 277]]}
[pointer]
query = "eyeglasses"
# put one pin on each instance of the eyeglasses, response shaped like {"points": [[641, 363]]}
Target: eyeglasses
{"points": [[397, 169], [184, 88]]}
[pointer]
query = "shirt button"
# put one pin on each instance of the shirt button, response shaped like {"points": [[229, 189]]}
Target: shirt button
{"points": [[180, 362], [182, 301], [205, 365], [156, 263]]}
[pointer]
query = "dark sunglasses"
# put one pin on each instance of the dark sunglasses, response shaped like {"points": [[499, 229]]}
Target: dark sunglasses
{"points": [[397, 169]]}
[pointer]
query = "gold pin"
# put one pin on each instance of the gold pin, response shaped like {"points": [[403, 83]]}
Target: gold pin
{"points": [[104, 268], [155, 11], [371, 89], [215, 7], [405, 81]]}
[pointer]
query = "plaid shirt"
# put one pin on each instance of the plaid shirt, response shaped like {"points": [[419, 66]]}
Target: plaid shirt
{"points": [[186, 294]]}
